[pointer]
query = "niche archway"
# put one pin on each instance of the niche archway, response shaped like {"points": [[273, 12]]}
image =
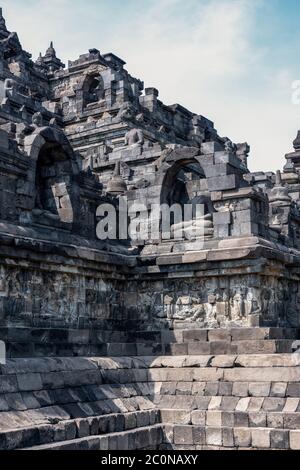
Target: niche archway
{"points": [[184, 183], [93, 89], [53, 183]]}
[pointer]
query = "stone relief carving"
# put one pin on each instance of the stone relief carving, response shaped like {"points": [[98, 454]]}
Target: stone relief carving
{"points": [[211, 305]]}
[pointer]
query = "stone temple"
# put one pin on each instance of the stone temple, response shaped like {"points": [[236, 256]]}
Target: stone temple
{"points": [[179, 343]]}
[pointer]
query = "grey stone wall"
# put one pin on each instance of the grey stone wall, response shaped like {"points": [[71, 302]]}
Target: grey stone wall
{"points": [[73, 138]]}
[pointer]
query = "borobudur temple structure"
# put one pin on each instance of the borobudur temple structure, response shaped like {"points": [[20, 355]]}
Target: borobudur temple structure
{"points": [[180, 342]]}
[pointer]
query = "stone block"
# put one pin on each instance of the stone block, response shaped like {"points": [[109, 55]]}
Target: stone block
{"points": [[241, 419], [83, 427], [30, 382], [291, 420], [113, 442], [220, 347], [103, 443], [130, 421], [278, 389], [183, 435], [59, 432], [13, 439], [4, 141], [199, 347], [211, 388], [261, 438], [257, 419], [214, 418], [222, 218], [295, 440], [142, 418], [52, 380], [176, 349], [168, 436], [214, 436], [15, 401], [227, 437], [176, 417], [215, 403], [195, 335], [208, 374], [279, 439], [198, 388], [293, 390], [255, 404], [209, 148], [225, 389], [273, 404], [247, 334], [275, 420], [198, 417], [71, 429], [242, 437], [8, 384], [123, 441], [46, 434], [240, 389], [184, 388], [199, 435], [291, 405], [228, 419], [222, 183], [219, 335]]}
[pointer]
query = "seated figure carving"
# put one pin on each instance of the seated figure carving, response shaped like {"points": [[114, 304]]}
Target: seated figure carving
{"points": [[134, 138], [199, 225]]}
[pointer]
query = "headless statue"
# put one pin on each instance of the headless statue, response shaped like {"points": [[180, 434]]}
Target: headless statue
{"points": [[134, 138]]}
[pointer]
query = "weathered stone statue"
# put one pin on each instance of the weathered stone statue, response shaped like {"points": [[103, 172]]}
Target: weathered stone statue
{"points": [[134, 138], [37, 120]]}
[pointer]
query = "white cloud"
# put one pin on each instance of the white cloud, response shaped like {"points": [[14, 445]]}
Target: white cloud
{"points": [[200, 53]]}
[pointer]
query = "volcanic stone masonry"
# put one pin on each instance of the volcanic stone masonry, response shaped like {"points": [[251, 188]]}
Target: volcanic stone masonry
{"points": [[181, 343]]}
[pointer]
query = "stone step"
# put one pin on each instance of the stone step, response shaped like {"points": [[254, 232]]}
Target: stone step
{"points": [[57, 380], [148, 437], [203, 374], [183, 437], [223, 403], [18, 418], [26, 342], [69, 429], [87, 367], [108, 395], [187, 333], [267, 346], [238, 391], [236, 418], [197, 437]]}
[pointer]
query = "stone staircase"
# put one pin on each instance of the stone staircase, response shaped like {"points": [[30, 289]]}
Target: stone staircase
{"points": [[188, 389], [41, 342]]}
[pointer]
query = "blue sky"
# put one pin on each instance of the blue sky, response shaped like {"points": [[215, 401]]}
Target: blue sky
{"points": [[233, 61]]}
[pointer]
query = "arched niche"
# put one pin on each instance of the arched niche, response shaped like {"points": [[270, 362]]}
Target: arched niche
{"points": [[52, 177], [93, 89], [182, 181], [53, 182]]}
